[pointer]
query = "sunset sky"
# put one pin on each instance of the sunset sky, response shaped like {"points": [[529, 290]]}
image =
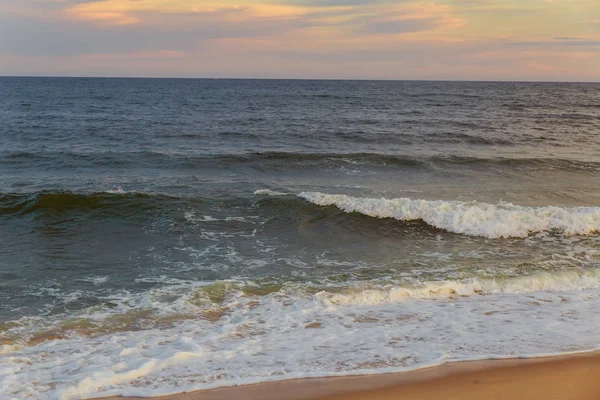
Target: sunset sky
{"points": [[438, 39]]}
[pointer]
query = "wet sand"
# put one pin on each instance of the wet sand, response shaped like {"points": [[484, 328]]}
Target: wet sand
{"points": [[574, 377]]}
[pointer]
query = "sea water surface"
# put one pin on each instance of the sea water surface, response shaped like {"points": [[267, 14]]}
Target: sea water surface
{"points": [[159, 236]]}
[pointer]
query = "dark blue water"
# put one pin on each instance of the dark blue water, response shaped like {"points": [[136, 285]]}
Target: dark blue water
{"points": [[137, 205], [160, 135]]}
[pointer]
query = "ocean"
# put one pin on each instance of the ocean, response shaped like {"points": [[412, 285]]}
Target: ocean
{"points": [[166, 235]]}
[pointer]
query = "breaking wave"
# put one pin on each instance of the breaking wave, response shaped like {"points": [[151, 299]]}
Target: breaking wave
{"points": [[527, 284], [503, 220]]}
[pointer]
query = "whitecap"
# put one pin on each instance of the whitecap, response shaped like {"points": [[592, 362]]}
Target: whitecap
{"points": [[470, 218]]}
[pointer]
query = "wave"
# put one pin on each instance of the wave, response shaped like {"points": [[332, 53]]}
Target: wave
{"points": [[284, 160], [560, 281], [268, 192], [503, 220], [458, 137], [290, 160], [173, 299], [283, 334], [46, 203]]}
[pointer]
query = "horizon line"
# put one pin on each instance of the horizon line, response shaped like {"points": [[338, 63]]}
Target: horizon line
{"points": [[296, 79]]}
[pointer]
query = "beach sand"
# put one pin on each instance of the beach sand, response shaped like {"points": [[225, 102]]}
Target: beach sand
{"points": [[573, 377]]}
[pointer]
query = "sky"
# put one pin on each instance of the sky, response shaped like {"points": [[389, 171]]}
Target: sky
{"points": [[539, 40]]}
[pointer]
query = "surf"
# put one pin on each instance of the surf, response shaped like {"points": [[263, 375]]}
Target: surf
{"points": [[503, 220]]}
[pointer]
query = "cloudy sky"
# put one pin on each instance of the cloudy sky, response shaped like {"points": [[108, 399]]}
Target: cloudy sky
{"points": [[373, 39]]}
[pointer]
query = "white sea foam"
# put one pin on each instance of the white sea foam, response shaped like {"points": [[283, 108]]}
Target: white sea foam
{"points": [[96, 280], [470, 218], [285, 335], [231, 333], [562, 281], [116, 190], [268, 192]]}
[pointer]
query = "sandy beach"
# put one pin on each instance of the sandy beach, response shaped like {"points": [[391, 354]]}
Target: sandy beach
{"points": [[573, 377]]}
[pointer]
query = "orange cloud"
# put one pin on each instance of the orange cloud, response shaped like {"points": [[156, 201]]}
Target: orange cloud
{"points": [[123, 12], [110, 12]]}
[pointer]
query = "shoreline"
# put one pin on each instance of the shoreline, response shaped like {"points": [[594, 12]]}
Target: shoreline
{"points": [[573, 376]]}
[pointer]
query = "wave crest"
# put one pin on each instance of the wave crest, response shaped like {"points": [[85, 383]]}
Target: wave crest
{"points": [[49, 203], [539, 282], [503, 220]]}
